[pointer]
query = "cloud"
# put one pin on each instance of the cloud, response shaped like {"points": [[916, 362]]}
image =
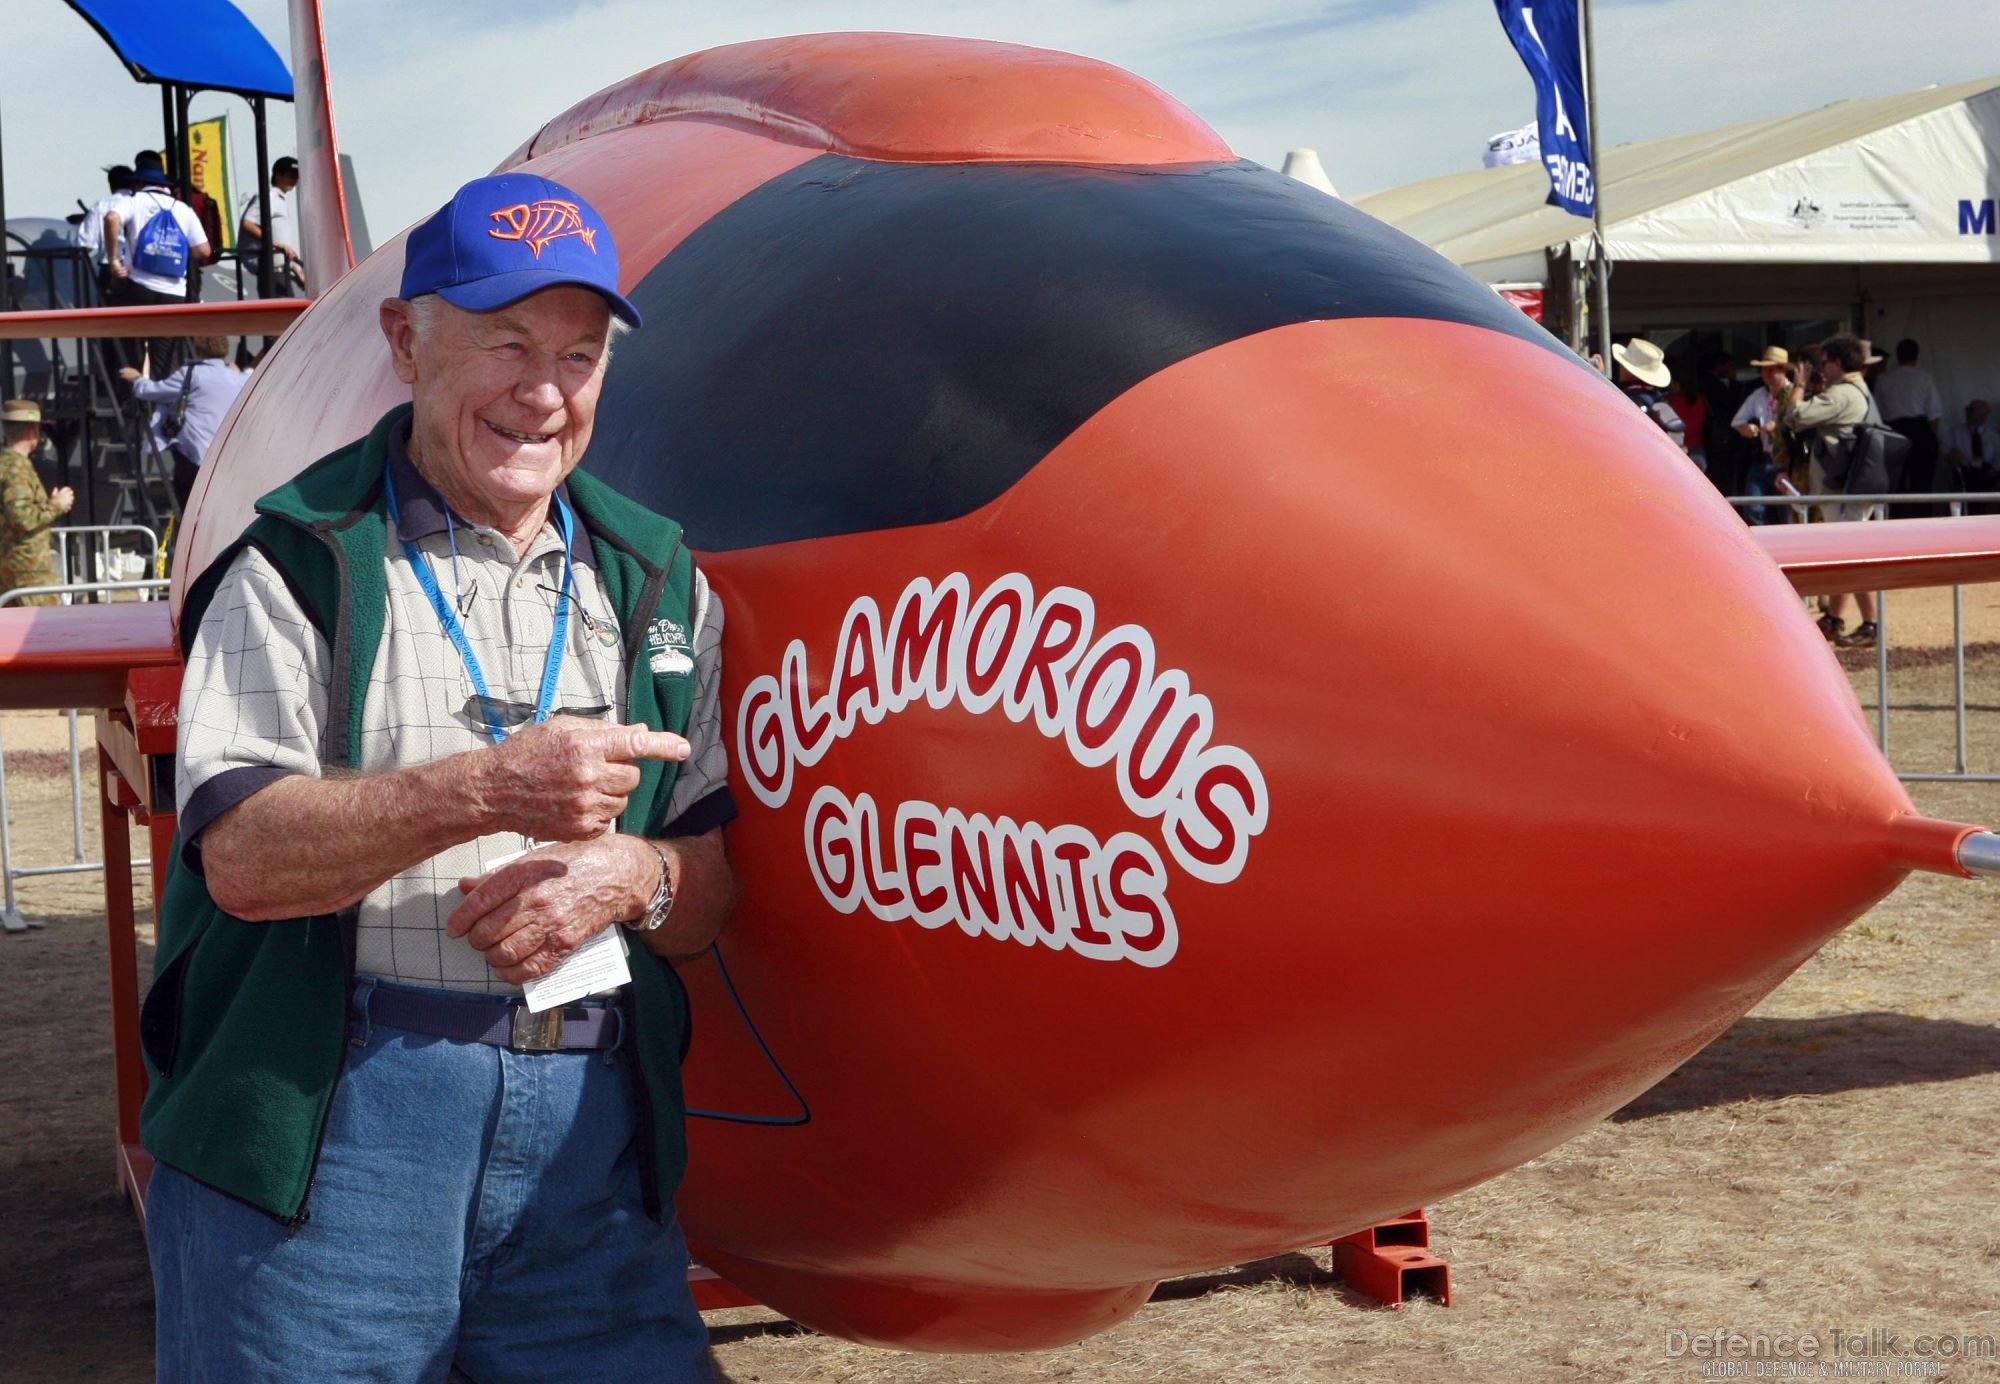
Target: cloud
{"points": [[429, 94]]}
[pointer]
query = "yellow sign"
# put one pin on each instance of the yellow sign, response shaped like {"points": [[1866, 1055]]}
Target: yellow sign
{"points": [[208, 167]]}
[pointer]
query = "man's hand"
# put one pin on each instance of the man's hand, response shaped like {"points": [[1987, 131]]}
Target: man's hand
{"points": [[63, 498], [127, 373], [566, 779], [530, 913]]}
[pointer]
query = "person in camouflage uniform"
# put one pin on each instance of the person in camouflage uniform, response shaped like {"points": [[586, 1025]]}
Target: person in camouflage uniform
{"points": [[27, 512]]}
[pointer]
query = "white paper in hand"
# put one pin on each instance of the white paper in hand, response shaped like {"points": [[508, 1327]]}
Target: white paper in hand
{"points": [[597, 967]]}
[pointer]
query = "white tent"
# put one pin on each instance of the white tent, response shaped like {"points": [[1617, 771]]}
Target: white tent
{"points": [[1879, 215]]}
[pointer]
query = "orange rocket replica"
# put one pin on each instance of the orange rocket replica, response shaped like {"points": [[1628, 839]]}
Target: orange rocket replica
{"points": [[1239, 732]]}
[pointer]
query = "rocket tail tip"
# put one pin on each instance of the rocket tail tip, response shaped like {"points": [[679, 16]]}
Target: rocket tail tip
{"points": [[1944, 848]]}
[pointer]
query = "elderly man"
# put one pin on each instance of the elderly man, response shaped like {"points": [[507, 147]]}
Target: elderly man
{"points": [[27, 512], [435, 758]]}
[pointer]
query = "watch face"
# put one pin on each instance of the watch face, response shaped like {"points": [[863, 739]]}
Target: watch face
{"points": [[663, 897]]}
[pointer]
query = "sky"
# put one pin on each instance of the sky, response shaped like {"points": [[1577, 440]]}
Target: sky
{"points": [[429, 93]]}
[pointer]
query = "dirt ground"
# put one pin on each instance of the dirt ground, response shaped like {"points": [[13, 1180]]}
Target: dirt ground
{"points": [[1821, 1169]]}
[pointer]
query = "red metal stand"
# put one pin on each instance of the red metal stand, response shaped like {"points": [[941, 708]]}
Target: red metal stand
{"points": [[135, 768], [713, 1292], [1392, 1261]]}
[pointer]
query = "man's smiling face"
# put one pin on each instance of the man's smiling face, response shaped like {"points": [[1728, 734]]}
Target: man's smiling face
{"points": [[504, 400]]}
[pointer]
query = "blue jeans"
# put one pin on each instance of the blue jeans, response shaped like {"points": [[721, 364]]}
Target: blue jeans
{"points": [[473, 1208], [1761, 479]]}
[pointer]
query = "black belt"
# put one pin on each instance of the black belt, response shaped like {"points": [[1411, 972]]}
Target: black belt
{"points": [[576, 1028]]}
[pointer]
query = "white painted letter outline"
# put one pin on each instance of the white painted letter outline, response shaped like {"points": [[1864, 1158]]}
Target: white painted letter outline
{"points": [[1033, 659]]}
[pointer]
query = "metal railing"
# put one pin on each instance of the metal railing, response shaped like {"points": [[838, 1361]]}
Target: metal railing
{"points": [[11, 918], [100, 541], [1956, 501]]}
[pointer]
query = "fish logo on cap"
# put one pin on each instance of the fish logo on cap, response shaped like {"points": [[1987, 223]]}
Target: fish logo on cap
{"points": [[536, 224]]}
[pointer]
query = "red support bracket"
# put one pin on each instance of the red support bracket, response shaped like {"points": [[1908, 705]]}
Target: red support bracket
{"points": [[713, 1292], [135, 756], [1392, 1261]]}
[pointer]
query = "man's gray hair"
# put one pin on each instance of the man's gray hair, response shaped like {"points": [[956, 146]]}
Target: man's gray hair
{"points": [[427, 310]]}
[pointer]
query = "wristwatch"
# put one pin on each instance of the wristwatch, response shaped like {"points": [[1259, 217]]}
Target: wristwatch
{"points": [[663, 898]]}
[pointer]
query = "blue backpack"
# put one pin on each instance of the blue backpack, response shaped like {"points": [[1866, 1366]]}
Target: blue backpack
{"points": [[162, 247]]}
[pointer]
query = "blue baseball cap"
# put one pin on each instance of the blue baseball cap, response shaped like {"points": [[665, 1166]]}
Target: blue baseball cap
{"points": [[501, 238]]}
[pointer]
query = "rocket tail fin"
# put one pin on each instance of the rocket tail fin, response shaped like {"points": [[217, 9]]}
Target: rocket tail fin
{"points": [[1826, 559]]}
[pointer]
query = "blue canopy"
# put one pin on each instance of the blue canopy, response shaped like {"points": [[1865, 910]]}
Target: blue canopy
{"points": [[207, 44]]}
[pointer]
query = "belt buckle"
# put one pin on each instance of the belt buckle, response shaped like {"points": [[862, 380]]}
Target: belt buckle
{"points": [[532, 1032]]}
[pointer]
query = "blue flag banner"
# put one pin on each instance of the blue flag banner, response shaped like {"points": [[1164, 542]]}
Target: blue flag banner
{"points": [[1544, 33]]}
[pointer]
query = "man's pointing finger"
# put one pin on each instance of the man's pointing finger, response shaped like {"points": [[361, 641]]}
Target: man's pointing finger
{"points": [[637, 742]]}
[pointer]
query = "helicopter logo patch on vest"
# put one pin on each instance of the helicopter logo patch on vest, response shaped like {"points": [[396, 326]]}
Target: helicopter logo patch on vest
{"points": [[668, 651]]}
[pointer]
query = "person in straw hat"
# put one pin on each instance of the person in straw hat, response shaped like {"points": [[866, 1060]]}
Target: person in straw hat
{"points": [[1757, 419], [27, 512], [1644, 376]]}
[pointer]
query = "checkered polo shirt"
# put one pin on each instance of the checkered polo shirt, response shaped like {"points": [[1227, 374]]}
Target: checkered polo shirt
{"points": [[255, 695]]}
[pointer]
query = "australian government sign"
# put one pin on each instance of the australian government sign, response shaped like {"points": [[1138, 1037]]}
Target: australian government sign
{"points": [[1922, 190]]}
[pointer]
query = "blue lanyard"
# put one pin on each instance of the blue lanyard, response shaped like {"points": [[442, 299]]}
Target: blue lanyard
{"points": [[448, 617]]}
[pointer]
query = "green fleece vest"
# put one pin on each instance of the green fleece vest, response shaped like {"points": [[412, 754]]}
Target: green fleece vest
{"points": [[245, 1026]]}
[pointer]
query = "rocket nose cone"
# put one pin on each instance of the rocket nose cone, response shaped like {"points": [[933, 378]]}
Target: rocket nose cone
{"points": [[1553, 750], [1583, 673]]}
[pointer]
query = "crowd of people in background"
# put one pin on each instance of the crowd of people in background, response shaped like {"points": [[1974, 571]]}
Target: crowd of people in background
{"points": [[148, 239], [149, 179], [147, 243], [1796, 431], [152, 232]]}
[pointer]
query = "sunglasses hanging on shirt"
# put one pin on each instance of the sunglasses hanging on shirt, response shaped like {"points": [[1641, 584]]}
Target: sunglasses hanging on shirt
{"points": [[499, 711], [601, 629]]}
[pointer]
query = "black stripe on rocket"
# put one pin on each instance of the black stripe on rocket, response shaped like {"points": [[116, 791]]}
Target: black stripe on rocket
{"points": [[859, 345]]}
